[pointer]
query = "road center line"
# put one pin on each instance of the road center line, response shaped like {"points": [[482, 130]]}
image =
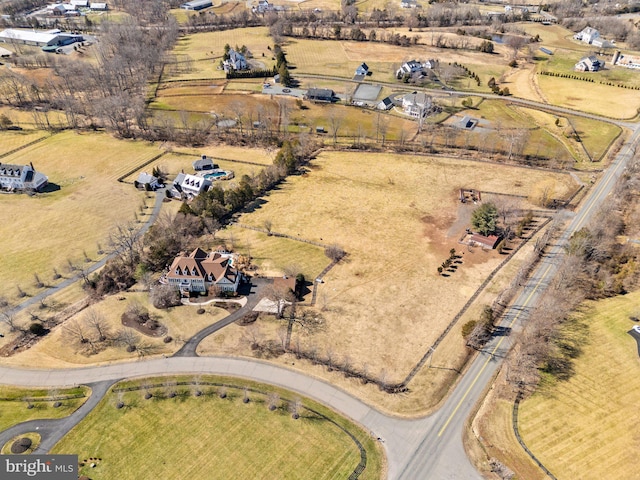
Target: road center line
{"points": [[477, 377]]}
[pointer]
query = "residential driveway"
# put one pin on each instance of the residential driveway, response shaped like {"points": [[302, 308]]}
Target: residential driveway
{"points": [[281, 90], [254, 294]]}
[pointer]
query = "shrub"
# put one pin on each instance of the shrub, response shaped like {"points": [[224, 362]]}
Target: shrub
{"points": [[37, 329], [467, 328]]}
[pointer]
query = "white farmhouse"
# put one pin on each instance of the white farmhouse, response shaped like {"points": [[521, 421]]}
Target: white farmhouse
{"points": [[190, 185], [21, 178], [413, 66], [587, 35]]}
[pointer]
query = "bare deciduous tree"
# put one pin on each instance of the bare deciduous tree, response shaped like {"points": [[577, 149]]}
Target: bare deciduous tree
{"points": [[96, 321], [8, 318]]}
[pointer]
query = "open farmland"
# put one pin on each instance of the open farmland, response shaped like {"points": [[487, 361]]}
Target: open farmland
{"points": [[250, 440], [340, 58], [44, 231], [397, 216], [587, 427]]}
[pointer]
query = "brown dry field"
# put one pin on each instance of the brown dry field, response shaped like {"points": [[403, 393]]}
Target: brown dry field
{"points": [[341, 57], [396, 217], [43, 231]]}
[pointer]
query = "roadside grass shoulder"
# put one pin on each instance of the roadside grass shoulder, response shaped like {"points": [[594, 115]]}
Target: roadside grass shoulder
{"points": [[61, 350]]}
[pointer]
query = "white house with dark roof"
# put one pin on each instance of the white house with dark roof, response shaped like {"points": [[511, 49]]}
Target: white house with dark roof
{"points": [[17, 178], [587, 35], [363, 69], [199, 271], [414, 66]]}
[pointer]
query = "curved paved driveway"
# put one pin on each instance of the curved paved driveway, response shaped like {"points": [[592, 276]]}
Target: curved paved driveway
{"points": [[401, 437]]}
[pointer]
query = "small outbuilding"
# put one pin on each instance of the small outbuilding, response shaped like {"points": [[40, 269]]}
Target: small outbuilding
{"points": [[320, 95], [204, 163], [147, 181], [490, 241], [385, 104]]}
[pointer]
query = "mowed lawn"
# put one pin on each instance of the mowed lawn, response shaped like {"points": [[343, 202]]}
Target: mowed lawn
{"points": [[43, 232], [587, 427], [13, 404], [212, 438], [275, 255], [385, 303]]}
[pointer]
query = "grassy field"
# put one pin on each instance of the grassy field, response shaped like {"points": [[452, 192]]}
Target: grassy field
{"points": [[13, 406], [596, 136], [396, 217], [74, 218], [10, 140], [227, 157], [248, 440], [59, 350], [590, 97], [587, 427], [340, 58], [202, 52]]}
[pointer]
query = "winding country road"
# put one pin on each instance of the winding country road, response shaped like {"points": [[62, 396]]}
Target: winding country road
{"points": [[424, 448]]}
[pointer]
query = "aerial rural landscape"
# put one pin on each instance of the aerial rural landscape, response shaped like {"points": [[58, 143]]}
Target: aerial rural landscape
{"points": [[320, 239]]}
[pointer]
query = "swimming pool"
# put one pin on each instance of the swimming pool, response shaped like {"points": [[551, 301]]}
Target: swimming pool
{"points": [[215, 175]]}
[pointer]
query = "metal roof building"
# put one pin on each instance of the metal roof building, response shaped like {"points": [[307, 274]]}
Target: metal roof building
{"points": [[38, 38], [197, 5]]}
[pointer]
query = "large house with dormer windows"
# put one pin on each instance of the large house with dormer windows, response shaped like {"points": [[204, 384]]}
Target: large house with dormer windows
{"points": [[16, 178], [199, 271]]}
